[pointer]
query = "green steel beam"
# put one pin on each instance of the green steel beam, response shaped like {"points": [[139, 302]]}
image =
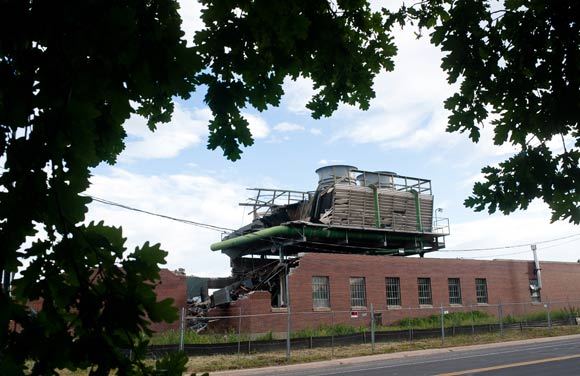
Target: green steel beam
{"points": [[417, 209], [377, 211], [308, 232]]}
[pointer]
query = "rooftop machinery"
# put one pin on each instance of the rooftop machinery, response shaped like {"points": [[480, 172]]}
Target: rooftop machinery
{"points": [[351, 211]]}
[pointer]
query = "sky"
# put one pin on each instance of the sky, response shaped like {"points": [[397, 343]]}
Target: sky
{"points": [[171, 172]]}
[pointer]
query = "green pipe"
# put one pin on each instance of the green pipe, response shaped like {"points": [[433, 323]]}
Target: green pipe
{"points": [[311, 232], [377, 211], [249, 238], [417, 209]]}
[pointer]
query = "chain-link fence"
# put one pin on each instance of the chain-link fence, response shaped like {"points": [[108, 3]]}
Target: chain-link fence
{"points": [[250, 333]]}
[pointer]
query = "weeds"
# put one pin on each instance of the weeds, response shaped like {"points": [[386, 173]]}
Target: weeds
{"points": [[453, 319]]}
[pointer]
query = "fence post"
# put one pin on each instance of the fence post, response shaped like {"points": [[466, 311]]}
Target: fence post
{"points": [[288, 316], [547, 305], [526, 315], [410, 327], [332, 339], [249, 338], [472, 320], [182, 330], [372, 328], [442, 325], [240, 333], [500, 318]]}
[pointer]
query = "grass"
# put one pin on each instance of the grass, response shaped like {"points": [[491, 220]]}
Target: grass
{"points": [[191, 337], [433, 321], [232, 362], [451, 319], [429, 322], [201, 364]]}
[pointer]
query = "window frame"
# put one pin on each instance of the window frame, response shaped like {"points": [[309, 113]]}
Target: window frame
{"points": [[393, 288], [358, 287], [454, 289], [424, 291], [481, 295], [320, 292]]}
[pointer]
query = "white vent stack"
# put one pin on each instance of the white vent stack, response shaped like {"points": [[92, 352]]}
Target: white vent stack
{"points": [[335, 174], [378, 179]]}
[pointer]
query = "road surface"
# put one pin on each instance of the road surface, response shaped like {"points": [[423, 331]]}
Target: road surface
{"points": [[548, 356]]}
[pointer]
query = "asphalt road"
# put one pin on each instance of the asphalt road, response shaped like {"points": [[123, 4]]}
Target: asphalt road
{"points": [[551, 356]]}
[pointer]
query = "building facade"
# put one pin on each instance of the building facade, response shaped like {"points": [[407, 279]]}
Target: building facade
{"points": [[340, 289]]}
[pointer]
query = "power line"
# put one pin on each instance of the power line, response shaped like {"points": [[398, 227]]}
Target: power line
{"points": [[186, 221], [510, 246], [496, 255], [225, 229], [557, 245], [522, 252]]}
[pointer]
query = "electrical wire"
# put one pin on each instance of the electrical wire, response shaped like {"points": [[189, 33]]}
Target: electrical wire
{"points": [[522, 252], [274, 240], [185, 221], [557, 245], [511, 246], [497, 255]]}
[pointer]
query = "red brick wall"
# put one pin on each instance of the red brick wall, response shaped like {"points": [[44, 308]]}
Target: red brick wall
{"points": [[507, 282], [171, 286]]}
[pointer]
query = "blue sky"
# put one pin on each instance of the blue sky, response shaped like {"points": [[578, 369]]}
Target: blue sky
{"points": [[172, 173]]}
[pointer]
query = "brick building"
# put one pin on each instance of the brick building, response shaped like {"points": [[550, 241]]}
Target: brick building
{"points": [[328, 255], [347, 285], [171, 285]]}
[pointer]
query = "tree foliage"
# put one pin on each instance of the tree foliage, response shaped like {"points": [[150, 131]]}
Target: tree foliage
{"points": [[71, 73], [249, 47], [518, 66]]}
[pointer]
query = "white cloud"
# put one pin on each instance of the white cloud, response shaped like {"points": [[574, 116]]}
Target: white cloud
{"points": [[506, 232], [408, 109], [377, 128], [198, 198], [190, 12], [471, 180], [486, 146], [556, 144], [316, 131], [297, 93], [258, 126], [185, 130], [288, 127], [330, 161]]}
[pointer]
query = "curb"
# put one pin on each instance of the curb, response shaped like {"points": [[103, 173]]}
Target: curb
{"points": [[378, 357]]}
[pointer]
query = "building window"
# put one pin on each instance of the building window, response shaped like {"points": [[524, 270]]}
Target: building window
{"points": [[535, 291], [481, 290], [425, 291], [454, 290], [320, 292], [358, 296], [393, 291]]}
